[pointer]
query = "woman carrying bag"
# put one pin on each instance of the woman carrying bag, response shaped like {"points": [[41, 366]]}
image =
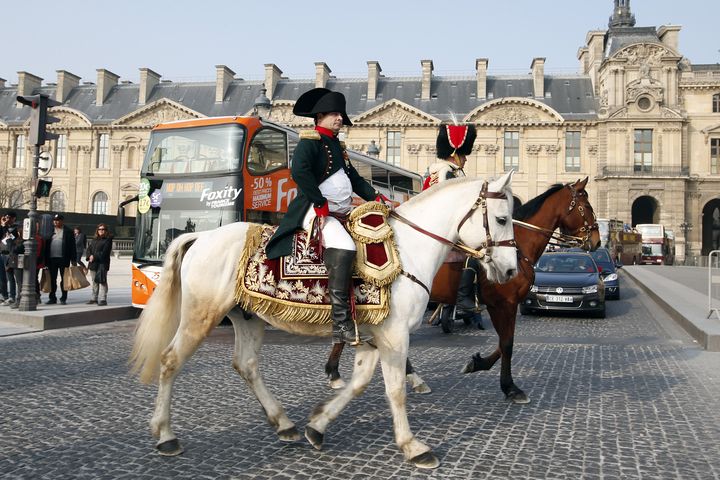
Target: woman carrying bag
{"points": [[98, 257]]}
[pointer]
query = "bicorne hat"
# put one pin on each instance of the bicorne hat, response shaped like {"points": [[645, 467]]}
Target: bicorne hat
{"points": [[321, 100], [454, 139]]}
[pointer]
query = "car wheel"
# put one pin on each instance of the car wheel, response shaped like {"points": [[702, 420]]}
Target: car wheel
{"points": [[446, 319], [601, 313], [525, 311]]}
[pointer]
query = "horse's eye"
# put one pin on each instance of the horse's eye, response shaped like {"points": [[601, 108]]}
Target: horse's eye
{"points": [[502, 220]]}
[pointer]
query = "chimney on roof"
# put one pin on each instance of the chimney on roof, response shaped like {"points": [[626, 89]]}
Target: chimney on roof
{"points": [[427, 69], [538, 72], [481, 65], [148, 80], [272, 77], [106, 80], [27, 84], [669, 36], [322, 73], [373, 76], [66, 81], [222, 82]]}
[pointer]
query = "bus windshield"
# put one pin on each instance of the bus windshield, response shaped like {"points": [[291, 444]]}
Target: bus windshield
{"points": [[211, 149]]}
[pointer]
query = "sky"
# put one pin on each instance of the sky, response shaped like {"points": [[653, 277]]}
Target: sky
{"points": [[183, 40]]}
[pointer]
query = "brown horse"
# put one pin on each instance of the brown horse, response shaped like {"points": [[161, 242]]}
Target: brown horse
{"points": [[562, 206]]}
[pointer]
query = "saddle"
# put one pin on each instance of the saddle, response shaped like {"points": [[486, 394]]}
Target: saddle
{"points": [[294, 288]]}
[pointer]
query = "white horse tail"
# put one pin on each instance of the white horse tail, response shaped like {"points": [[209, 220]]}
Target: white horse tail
{"points": [[159, 320]]}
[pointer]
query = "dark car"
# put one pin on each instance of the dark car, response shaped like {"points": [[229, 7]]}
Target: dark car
{"points": [[566, 281], [608, 270]]}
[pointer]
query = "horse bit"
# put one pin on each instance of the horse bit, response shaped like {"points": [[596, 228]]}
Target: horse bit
{"points": [[564, 239]]}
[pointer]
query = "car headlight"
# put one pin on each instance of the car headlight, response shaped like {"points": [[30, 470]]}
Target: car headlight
{"points": [[590, 289], [534, 289], [611, 277]]}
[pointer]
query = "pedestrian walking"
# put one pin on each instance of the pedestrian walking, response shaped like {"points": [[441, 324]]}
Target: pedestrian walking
{"points": [[98, 257], [10, 235], [80, 244]]}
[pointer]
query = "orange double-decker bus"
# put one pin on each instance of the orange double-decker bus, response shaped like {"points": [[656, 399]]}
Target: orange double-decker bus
{"points": [[201, 174]]}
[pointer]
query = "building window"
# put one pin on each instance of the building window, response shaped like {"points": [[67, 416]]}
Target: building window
{"points": [[100, 203], [511, 155], [19, 152], [102, 158], [57, 202], [16, 199], [643, 150], [716, 103], [572, 151], [714, 154], [61, 152], [393, 148]]}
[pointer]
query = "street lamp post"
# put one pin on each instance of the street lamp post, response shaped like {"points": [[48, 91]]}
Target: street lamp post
{"points": [[686, 227]]}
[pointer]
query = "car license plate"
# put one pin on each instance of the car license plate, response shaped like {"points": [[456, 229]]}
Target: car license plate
{"points": [[560, 298]]}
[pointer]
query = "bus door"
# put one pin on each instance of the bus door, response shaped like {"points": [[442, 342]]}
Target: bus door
{"points": [[268, 185]]}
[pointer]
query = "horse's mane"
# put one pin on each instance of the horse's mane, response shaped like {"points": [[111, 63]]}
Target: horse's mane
{"points": [[445, 184], [529, 208]]}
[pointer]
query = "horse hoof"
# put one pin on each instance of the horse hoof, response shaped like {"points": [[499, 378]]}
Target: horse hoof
{"points": [[518, 398], [337, 384], [169, 448], [289, 434], [314, 437], [469, 367], [425, 460], [422, 388]]}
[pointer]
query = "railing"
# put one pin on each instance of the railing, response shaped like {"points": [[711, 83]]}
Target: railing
{"points": [[123, 247], [645, 172]]}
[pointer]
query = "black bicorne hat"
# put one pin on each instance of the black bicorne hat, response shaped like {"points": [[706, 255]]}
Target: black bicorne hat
{"points": [[321, 100]]}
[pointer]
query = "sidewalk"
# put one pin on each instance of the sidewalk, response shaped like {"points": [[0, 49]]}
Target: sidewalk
{"points": [[683, 293], [76, 312]]}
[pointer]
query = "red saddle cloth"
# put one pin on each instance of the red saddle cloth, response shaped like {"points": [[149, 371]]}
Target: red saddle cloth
{"points": [[294, 288]]}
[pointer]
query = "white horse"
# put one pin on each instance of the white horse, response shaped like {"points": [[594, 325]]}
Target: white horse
{"points": [[197, 291]]}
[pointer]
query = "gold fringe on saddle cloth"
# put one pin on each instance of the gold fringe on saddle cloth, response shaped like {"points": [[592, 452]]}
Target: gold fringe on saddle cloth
{"points": [[364, 233], [289, 311]]}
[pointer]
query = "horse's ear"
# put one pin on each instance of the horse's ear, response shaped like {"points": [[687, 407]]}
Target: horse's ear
{"points": [[506, 179], [581, 184]]}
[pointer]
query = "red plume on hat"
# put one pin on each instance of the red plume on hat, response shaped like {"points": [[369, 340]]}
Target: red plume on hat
{"points": [[454, 139]]}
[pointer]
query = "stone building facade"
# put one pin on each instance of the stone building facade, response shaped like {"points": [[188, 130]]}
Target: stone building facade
{"points": [[639, 119]]}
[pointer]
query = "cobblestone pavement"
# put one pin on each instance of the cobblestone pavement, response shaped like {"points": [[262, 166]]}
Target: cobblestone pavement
{"points": [[630, 396]]}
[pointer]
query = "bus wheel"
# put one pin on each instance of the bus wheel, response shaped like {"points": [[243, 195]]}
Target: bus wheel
{"points": [[634, 260]]}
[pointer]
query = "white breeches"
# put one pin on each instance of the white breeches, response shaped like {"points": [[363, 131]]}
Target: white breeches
{"points": [[334, 234]]}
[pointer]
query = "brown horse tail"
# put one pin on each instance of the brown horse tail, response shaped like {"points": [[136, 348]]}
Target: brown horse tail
{"points": [[159, 320]]}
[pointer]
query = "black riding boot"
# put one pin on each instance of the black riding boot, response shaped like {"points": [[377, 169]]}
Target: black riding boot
{"points": [[339, 264], [465, 302]]}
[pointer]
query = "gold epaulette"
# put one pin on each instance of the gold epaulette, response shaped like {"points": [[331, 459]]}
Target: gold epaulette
{"points": [[310, 134]]}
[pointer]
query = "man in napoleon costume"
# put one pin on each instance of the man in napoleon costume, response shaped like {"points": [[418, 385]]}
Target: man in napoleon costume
{"points": [[326, 181], [453, 144]]}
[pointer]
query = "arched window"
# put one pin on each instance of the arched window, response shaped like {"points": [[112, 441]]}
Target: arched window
{"points": [[716, 103], [100, 203], [16, 199], [131, 159], [57, 202]]}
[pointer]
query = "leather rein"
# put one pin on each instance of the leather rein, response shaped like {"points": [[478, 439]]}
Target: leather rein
{"points": [[563, 239]]}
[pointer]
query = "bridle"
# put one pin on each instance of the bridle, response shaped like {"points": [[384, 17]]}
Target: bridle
{"points": [[580, 236], [485, 248]]}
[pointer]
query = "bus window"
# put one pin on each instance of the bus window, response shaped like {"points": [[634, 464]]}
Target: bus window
{"points": [[268, 152]]}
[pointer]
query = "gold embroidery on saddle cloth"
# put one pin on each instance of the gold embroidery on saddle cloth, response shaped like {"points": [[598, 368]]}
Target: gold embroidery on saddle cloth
{"points": [[257, 290], [365, 231]]}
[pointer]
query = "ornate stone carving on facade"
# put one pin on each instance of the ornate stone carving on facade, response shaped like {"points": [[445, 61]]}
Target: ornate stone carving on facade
{"points": [[430, 149], [85, 148], [281, 112], [358, 147], [413, 148], [552, 149], [592, 150], [513, 110], [533, 148], [670, 113], [4, 149], [645, 54], [644, 86], [117, 148], [491, 148], [163, 110], [74, 148], [394, 113], [513, 115], [69, 118]]}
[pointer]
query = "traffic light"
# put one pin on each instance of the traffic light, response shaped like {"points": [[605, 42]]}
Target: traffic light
{"points": [[42, 188], [39, 118]]}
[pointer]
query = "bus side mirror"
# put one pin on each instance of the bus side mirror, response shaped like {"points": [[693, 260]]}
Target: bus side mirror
{"points": [[121, 216]]}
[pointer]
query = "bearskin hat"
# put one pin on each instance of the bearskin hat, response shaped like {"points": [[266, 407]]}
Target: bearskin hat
{"points": [[455, 139]]}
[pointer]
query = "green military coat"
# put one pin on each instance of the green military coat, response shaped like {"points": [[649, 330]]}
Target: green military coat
{"points": [[316, 158]]}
